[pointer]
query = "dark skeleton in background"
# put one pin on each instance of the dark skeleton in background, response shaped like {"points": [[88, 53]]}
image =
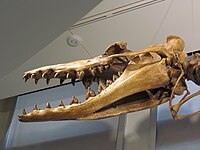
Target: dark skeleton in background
{"points": [[127, 82]]}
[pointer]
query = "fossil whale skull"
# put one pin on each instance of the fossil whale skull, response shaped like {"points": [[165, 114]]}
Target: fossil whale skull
{"points": [[127, 80]]}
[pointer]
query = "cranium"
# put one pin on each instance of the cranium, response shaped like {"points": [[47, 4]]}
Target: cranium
{"points": [[127, 81]]}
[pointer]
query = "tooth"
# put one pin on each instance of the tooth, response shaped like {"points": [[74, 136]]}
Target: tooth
{"points": [[99, 89], [80, 75], [73, 81], [33, 75], [26, 79], [48, 105], [93, 71], [109, 82], [47, 81], [74, 100], [39, 74], [56, 75], [61, 81], [115, 77], [100, 68], [35, 107], [36, 81], [101, 83], [87, 82], [90, 93], [44, 74], [61, 103], [24, 112], [50, 73], [120, 73], [67, 75], [60, 75], [27, 76]]}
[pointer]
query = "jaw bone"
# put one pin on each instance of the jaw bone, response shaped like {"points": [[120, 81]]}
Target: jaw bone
{"points": [[130, 82]]}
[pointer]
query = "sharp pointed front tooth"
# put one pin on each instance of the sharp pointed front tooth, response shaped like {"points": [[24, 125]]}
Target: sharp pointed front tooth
{"points": [[74, 100], [61, 103], [73, 81], [26, 76], [80, 75], [35, 107], [36, 81], [61, 81], [48, 105], [24, 112], [26, 79], [90, 93], [115, 77], [47, 81]]}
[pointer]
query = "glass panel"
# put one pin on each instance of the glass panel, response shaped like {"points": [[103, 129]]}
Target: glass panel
{"points": [[71, 135]]}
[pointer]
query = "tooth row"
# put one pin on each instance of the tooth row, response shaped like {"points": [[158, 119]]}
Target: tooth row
{"points": [[103, 85], [74, 100], [90, 93], [63, 75]]}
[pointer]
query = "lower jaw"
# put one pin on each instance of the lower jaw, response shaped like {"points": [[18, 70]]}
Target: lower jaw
{"points": [[124, 108]]}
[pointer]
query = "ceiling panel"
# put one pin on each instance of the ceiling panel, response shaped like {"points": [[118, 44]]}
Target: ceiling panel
{"points": [[138, 28], [179, 21], [108, 5]]}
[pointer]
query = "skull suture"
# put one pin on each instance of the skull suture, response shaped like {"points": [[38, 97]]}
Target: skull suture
{"points": [[127, 81]]}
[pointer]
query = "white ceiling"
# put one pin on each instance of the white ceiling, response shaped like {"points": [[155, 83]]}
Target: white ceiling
{"points": [[140, 23]]}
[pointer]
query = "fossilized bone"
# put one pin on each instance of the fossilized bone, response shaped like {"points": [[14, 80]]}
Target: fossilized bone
{"points": [[127, 82]]}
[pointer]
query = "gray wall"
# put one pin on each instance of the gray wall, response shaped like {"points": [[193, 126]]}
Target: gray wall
{"points": [[6, 110]]}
